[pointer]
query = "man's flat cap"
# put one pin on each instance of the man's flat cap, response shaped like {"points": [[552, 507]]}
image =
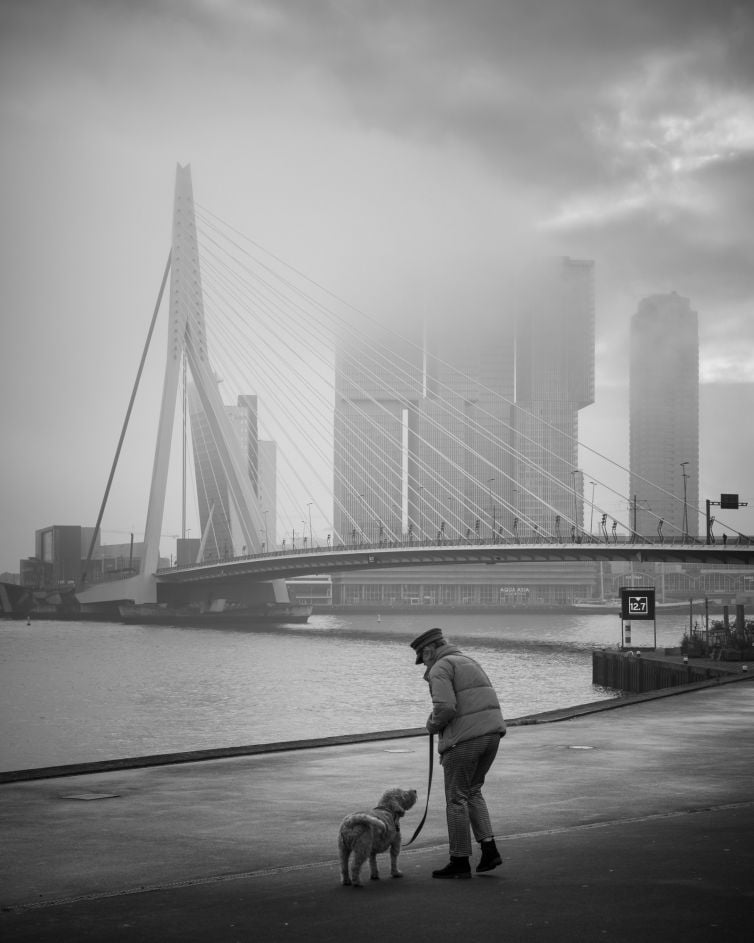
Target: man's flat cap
{"points": [[426, 638]]}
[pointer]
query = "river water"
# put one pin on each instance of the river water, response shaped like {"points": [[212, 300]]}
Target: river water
{"points": [[74, 692]]}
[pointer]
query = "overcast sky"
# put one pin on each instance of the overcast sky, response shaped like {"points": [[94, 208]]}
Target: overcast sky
{"points": [[399, 153]]}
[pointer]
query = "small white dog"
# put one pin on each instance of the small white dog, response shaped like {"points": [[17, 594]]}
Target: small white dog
{"points": [[366, 834]]}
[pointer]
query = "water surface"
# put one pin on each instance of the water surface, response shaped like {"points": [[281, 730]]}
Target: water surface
{"points": [[73, 692]]}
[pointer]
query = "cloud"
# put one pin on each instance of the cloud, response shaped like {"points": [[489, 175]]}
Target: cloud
{"points": [[399, 153]]}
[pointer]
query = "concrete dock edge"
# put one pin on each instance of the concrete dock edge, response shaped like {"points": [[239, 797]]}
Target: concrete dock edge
{"points": [[255, 749]]}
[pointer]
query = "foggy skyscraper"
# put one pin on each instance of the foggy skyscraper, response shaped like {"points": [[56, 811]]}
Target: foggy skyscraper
{"points": [[426, 431], [554, 380], [664, 416]]}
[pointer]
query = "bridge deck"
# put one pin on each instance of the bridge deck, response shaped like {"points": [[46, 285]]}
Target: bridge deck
{"points": [[289, 563]]}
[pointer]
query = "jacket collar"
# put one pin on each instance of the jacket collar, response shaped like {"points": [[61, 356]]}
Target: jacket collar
{"points": [[441, 652]]}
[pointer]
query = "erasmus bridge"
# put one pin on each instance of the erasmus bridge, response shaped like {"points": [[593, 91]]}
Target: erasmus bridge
{"points": [[463, 484]]}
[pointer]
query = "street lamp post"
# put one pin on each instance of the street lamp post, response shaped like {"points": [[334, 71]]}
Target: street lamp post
{"points": [[364, 511], [591, 516], [311, 535], [492, 508], [685, 526], [575, 472]]}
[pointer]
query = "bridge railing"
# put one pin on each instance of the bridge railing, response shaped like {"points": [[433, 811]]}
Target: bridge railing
{"points": [[427, 543]]}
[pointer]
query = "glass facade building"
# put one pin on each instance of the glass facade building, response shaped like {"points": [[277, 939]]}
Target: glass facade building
{"points": [[664, 417], [468, 428]]}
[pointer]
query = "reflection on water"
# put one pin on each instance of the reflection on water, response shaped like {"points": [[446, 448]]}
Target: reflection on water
{"points": [[77, 691]]}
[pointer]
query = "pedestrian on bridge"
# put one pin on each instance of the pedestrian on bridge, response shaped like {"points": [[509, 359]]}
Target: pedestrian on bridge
{"points": [[467, 717]]}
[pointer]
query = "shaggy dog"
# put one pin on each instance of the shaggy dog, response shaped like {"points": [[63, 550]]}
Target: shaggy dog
{"points": [[366, 834]]}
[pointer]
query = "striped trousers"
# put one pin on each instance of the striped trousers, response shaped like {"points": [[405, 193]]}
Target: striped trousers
{"points": [[465, 766]]}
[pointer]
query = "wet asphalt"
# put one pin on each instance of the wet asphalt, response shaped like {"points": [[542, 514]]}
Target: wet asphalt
{"points": [[630, 823]]}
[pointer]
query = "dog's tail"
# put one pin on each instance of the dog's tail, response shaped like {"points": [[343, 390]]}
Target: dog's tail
{"points": [[364, 818]]}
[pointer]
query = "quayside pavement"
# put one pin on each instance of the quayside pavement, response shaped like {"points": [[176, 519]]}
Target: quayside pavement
{"points": [[631, 823]]}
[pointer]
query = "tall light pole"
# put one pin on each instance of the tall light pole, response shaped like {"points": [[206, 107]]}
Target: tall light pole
{"points": [[591, 516], [575, 472], [364, 518], [685, 526], [492, 508], [266, 535], [311, 535]]}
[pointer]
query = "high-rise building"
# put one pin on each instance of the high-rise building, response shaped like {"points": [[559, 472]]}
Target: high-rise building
{"points": [[375, 409], [554, 380], [243, 420], [217, 516], [427, 428], [664, 417]]}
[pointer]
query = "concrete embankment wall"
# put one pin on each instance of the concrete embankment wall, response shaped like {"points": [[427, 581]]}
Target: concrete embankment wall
{"points": [[636, 674]]}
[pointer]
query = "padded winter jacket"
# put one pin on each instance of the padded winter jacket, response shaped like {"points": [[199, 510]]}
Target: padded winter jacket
{"points": [[464, 703]]}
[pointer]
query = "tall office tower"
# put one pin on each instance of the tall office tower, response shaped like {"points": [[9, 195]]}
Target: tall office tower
{"points": [[378, 382], [462, 430], [425, 433], [664, 416], [420, 427], [554, 380], [217, 517]]}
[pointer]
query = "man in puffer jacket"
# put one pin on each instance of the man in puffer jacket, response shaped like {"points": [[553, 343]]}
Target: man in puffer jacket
{"points": [[466, 714]]}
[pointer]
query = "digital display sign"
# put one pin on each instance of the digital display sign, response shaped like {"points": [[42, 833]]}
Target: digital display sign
{"points": [[637, 603]]}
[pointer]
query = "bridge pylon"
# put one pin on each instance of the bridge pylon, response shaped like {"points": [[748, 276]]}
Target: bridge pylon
{"points": [[187, 337]]}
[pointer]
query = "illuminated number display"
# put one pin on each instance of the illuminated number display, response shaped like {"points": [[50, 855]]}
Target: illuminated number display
{"points": [[637, 603]]}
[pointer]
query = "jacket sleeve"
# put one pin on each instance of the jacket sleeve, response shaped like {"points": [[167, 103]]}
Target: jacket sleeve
{"points": [[444, 702]]}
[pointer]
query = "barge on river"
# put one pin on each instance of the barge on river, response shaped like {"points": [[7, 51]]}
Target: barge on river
{"points": [[193, 616]]}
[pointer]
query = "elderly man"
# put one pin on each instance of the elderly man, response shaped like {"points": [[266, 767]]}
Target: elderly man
{"points": [[466, 714]]}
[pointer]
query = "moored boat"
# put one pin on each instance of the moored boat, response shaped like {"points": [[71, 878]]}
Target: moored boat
{"points": [[193, 616]]}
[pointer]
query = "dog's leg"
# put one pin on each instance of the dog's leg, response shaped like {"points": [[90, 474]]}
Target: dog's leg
{"points": [[344, 855], [356, 871], [374, 873], [395, 850], [361, 849]]}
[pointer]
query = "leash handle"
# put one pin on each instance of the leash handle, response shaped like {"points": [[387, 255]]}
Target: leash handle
{"points": [[429, 787]]}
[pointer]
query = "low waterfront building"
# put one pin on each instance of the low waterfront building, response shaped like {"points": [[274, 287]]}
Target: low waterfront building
{"points": [[515, 585], [533, 584]]}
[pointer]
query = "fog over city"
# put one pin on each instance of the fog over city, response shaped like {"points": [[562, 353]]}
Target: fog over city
{"points": [[406, 155]]}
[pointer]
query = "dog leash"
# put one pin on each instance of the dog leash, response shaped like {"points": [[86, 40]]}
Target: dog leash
{"points": [[429, 786]]}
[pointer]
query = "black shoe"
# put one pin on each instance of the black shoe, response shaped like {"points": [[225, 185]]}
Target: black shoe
{"points": [[490, 857], [458, 868]]}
